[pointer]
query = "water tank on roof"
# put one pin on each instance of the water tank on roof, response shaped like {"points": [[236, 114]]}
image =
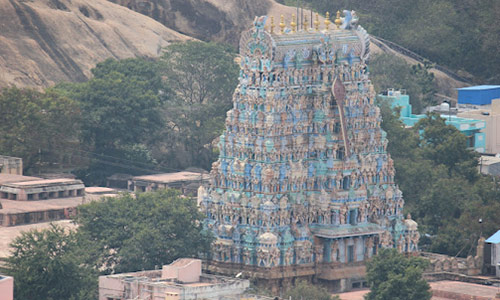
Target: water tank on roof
{"points": [[444, 106]]}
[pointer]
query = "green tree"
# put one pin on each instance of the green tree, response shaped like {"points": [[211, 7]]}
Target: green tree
{"points": [[202, 77], [48, 264], [39, 127], [130, 233], [306, 291], [440, 183], [444, 144], [121, 111], [393, 276]]}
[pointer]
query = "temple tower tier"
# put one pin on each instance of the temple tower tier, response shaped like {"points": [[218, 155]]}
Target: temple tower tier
{"points": [[303, 179]]}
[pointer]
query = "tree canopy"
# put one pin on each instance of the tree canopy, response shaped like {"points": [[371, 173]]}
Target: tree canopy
{"points": [[121, 234], [49, 264], [121, 113], [393, 276], [149, 230], [37, 126], [441, 185], [202, 77], [143, 115], [306, 291]]}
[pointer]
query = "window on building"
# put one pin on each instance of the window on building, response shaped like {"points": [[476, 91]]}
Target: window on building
{"points": [[350, 253], [470, 141]]}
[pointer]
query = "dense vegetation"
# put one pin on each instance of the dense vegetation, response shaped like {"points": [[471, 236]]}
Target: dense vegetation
{"points": [[39, 127], [134, 116], [458, 34], [50, 264], [117, 235], [393, 276], [441, 185]]}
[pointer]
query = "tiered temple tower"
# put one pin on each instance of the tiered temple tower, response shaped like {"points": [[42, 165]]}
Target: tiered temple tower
{"points": [[304, 185]]}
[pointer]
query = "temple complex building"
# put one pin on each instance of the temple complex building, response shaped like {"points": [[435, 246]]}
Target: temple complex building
{"points": [[42, 189], [304, 186], [186, 182]]}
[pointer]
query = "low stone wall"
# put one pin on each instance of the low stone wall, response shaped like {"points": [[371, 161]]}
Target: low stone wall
{"points": [[443, 263], [441, 276], [456, 296]]}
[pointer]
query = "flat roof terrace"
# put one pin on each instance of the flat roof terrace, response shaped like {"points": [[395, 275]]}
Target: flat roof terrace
{"points": [[42, 189], [15, 213], [8, 234], [9, 178], [443, 290], [172, 177]]}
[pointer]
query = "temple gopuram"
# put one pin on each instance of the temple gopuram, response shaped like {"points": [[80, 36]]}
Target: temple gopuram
{"points": [[304, 186]]}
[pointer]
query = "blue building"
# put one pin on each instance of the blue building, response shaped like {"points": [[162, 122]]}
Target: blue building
{"points": [[471, 128], [478, 95]]}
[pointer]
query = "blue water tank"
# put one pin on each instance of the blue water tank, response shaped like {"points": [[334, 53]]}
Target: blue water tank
{"points": [[478, 95]]}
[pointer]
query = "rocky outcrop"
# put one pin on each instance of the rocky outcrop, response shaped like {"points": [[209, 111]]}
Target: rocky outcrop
{"points": [[44, 42], [214, 20], [224, 20]]}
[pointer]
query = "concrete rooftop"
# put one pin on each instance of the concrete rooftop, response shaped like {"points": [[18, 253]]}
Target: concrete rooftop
{"points": [[172, 177]]}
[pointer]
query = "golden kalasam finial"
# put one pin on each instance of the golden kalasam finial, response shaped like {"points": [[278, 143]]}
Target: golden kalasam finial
{"points": [[327, 21], [306, 24], [282, 24], [272, 24], [338, 21], [293, 24], [316, 22]]}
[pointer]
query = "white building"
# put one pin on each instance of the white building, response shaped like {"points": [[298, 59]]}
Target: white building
{"points": [[491, 115], [181, 280], [494, 240]]}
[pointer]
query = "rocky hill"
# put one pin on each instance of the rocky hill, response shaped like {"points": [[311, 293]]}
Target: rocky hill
{"points": [[44, 42], [48, 41]]}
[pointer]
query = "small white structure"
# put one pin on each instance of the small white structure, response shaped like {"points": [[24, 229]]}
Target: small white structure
{"points": [[489, 165], [494, 240]]}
